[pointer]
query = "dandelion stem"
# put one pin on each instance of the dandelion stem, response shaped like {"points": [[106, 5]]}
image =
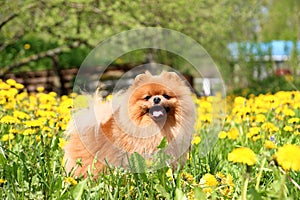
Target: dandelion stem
{"points": [[260, 174], [245, 185], [291, 179], [282, 184]]}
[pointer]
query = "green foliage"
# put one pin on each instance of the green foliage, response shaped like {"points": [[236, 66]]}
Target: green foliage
{"points": [[48, 25], [32, 45], [270, 84], [213, 24], [281, 21]]}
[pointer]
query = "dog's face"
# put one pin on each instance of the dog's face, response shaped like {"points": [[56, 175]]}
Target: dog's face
{"points": [[153, 100]]}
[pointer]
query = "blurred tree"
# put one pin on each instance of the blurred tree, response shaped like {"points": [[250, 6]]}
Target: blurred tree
{"points": [[84, 23], [282, 22]]}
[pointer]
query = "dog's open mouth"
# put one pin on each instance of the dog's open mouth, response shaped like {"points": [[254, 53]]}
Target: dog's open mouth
{"points": [[158, 112]]}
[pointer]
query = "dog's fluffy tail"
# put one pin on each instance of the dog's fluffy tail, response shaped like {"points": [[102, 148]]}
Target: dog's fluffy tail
{"points": [[85, 121]]}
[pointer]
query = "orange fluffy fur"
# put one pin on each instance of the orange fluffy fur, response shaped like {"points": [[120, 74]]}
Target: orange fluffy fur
{"points": [[104, 134]]}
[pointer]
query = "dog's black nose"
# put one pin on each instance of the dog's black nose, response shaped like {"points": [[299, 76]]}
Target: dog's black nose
{"points": [[156, 100]]}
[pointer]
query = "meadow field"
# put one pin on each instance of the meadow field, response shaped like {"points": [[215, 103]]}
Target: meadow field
{"points": [[256, 156]]}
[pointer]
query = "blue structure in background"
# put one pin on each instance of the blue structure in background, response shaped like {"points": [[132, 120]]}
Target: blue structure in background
{"points": [[278, 50]]}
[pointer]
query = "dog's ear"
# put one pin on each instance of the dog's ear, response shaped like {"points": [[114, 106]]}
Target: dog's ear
{"points": [[170, 75], [148, 73], [142, 77]]}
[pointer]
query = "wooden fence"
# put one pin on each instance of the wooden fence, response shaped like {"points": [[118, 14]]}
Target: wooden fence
{"points": [[62, 82], [47, 79]]}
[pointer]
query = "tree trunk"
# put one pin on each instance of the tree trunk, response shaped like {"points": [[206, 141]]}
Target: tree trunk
{"points": [[61, 86]]}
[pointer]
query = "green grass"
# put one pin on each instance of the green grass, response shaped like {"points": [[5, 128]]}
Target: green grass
{"points": [[31, 165]]}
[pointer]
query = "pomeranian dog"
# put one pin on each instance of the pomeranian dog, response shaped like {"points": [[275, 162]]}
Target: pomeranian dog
{"points": [[107, 133]]}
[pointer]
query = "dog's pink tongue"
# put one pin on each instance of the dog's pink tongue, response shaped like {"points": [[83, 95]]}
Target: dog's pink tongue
{"points": [[158, 113]]}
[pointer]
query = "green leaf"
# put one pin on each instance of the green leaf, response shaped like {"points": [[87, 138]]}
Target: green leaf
{"points": [[162, 191], [163, 144], [253, 194], [137, 163], [78, 189], [179, 195], [199, 194]]}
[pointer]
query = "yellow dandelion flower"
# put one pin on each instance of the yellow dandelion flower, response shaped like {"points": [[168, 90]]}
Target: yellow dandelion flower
{"points": [[29, 131], [131, 189], [227, 185], [10, 120], [260, 118], [220, 177], [2, 181], [279, 117], [11, 82], [14, 131], [62, 143], [208, 180], [46, 113], [206, 118], [293, 120], [190, 195], [188, 156], [2, 100], [169, 174], [188, 177], [63, 162], [228, 180], [73, 94], [66, 104], [4, 86], [240, 101], [288, 112], [242, 155], [70, 180], [10, 105], [46, 106], [34, 123], [12, 92], [22, 96], [27, 46], [270, 144], [64, 97], [51, 123], [7, 137], [222, 135], [233, 133], [288, 128], [288, 157], [53, 94], [40, 89], [196, 140], [21, 115], [46, 129], [38, 138], [268, 126], [19, 86], [253, 131]]}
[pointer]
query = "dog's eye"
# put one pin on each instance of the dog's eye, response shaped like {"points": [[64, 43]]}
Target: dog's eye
{"points": [[166, 96], [147, 97]]}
